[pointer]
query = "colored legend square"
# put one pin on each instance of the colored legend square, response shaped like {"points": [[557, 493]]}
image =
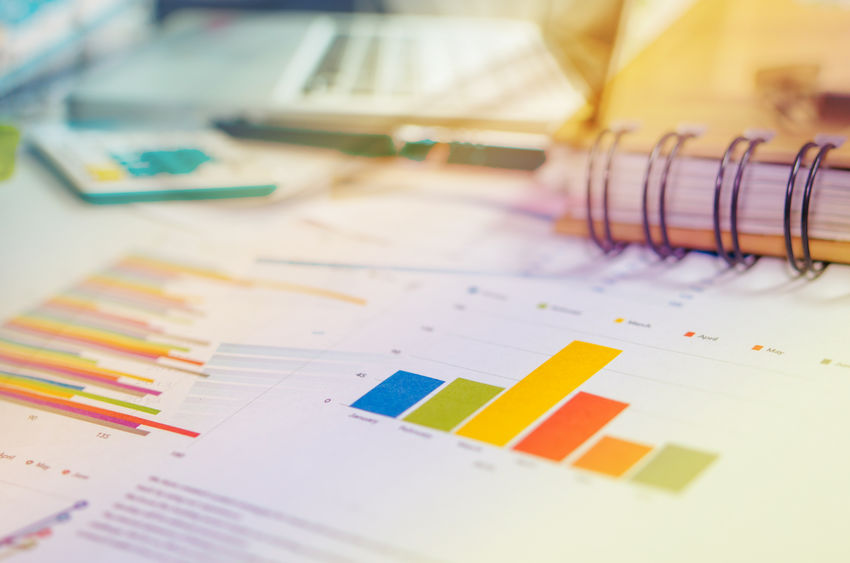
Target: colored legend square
{"points": [[619, 320], [542, 305], [104, 173], [689, 334], [612, 456], [757, 347], [825, 361]]}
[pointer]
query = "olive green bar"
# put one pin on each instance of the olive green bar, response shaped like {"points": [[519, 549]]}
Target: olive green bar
{"points": [[453, 404], [674, 467]]}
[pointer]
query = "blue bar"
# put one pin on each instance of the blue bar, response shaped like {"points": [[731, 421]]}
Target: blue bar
{"points": [[397, 393]]}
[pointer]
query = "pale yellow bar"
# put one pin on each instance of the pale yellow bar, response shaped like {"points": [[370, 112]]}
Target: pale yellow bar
{"points": [[538, 392]]}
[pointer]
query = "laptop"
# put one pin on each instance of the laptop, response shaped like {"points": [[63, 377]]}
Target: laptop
{"points": [[341, 72]]}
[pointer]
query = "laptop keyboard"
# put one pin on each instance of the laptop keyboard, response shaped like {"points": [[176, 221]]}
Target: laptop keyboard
{"points": [[400, 66], [326, 75]]}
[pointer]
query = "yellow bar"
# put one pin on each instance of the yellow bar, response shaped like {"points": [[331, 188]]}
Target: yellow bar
{"points": [[170, 267], [44, 388], [112, 281], [24, 349], [16, 357], [537, 392], [309, 290], [111, 338], [174, 268]]}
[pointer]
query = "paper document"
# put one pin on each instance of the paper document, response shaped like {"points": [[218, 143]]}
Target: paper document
{"points": [[201, 407]]}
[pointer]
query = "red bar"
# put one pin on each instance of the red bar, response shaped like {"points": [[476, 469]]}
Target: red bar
{"points": [[97, 410], [182, 359], [91, 311], [570, 426], [85, 340], [104, 380]]}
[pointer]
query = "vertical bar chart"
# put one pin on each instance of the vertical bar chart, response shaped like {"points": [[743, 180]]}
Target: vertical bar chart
{"points": [[499, 416], [570, 426], [538, 392], [451, 406], [397, 393]]}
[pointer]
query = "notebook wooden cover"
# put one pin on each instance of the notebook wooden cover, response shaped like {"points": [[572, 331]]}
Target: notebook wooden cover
{"points": [[731, 66]]}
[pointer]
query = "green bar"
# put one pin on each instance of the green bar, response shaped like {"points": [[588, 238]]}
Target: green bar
{"points": [[453, 404], [117, 402], [674, 467]]}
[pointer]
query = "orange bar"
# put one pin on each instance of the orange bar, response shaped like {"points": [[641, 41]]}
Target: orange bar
{"points": [[612, 456], [182, 359], [86, 340], [160, 266], [76, 306], [52, 365], [99, 284], [570, 426]]}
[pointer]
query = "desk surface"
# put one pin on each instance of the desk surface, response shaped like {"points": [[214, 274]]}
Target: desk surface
{"points": [[699, 389]]}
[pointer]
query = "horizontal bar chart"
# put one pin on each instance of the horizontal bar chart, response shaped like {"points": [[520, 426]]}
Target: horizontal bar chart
{"points": [[119, 336], [111, 416], [65, 390], [159, 266], [570, 426], [612, 456], [674, 467], [55, 358], [397, 393], [538, 392], [26, 537], [451, 406]]}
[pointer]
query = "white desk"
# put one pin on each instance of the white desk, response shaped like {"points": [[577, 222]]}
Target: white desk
{"points": [[49, 237]]}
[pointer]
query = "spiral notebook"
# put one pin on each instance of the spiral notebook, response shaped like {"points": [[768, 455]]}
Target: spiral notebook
{"points": [[761, 170]]}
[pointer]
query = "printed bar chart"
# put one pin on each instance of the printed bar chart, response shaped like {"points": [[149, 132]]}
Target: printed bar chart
{"points": [[510, 412], [28, 536], [570, 426], [397, 393], [81, 411], [538, 392], [97, 341], [612, 456], [53, 357], [451, 406], [674, 467], [65, 390]]}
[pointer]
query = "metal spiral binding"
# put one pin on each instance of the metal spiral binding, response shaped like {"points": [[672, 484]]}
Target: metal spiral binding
{"points": [[736, 256], [608, 245], [804, 265], [664, 250]]}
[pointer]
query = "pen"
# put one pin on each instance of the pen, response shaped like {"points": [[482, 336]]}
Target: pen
{"points": [[496, 149]]}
